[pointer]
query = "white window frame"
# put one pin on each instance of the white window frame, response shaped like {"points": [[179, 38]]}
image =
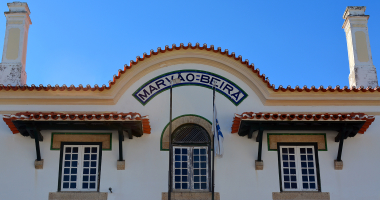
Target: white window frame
{"points": [[190, 167], [299, 168], [80, 167]]}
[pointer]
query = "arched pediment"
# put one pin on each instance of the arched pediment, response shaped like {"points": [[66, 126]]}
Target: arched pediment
{"points": [[228, 62]]}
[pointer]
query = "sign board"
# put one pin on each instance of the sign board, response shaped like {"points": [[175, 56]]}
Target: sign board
{"points": [[190, 77]]}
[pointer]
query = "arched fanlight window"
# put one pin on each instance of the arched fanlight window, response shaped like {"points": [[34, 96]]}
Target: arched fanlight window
{"points": [[190, 134], [191, 160]]}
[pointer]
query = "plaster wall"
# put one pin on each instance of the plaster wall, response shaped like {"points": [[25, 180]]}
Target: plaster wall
{"points": [[146, 167]]}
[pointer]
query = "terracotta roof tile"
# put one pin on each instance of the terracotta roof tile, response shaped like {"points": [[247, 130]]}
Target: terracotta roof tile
{"points": [[52, 116], [174, 47], [303, 117]]}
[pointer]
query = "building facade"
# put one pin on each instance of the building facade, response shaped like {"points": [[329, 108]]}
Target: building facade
{"points": [[115, 141]]}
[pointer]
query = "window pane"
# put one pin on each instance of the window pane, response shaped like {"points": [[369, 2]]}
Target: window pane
{"points": [[65, 185], [196, 151], [94, 149], [177, 151], [298, 160], [87, 150]]}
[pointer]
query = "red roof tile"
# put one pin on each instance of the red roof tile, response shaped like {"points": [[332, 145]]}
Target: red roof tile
{"points": [[27, 116], [180, 47], [303, 117]]}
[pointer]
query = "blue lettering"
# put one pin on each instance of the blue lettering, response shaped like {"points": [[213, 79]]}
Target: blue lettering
{"points": [[145, 95], [160, 82], [236, 95], [229, 88], [180, 77], [152, 88], [187, 77], [205, 79]]}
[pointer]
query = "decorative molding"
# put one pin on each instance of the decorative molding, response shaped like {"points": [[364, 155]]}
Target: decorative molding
{"points": [[180, 120], [104, 138], [191, 195], [78, 195], [301, 195], [274, 138], [160, 83]]}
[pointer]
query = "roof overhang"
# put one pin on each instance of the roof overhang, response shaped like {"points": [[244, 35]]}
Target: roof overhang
{"points": [[349, 123], [268, 94], [27, 123]]}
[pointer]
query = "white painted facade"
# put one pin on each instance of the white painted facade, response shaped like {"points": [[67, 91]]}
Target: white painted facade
{"points": [[146, 166]]}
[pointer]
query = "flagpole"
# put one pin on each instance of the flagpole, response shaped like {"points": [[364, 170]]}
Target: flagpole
{"points": [[213, 141], [170, 146]]}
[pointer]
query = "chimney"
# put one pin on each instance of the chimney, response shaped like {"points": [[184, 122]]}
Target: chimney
{"points": [[12, 66], [362, 70]]}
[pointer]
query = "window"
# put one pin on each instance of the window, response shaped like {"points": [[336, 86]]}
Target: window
{"points": [[191, 161], [190, 168], [80, 167], [298, 165]]}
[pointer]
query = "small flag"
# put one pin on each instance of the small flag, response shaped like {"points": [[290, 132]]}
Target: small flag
{"points": [[218, 136]]}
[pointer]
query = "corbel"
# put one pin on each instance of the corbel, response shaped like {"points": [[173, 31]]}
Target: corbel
{"points": [[259, 164]]}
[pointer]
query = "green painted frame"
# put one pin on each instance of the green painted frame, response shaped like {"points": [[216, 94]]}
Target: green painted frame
{"points": [[324, 134], [162, 133], [74, 133], [236, 104]]}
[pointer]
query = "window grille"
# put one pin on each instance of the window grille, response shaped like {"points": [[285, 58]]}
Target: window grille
{"points": [[190, 133], [80, 165], [298, 168], [190, 168], [190, 158]]}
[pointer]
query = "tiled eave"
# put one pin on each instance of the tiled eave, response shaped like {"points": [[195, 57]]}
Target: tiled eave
{"points": [[358, 122], [77, 121], [182, 47]]}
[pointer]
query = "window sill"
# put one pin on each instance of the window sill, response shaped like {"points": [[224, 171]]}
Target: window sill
{"points": [[191, 195], [78, 195], [301, 195]]}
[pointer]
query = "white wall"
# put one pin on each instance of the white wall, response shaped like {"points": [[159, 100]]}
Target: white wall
{"points": [[145, 176]]}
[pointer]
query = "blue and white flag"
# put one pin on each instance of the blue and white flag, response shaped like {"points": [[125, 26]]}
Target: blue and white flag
{"points": [[218, 136]]}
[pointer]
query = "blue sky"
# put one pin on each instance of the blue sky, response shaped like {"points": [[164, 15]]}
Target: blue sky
{"points": [[292, 42]]}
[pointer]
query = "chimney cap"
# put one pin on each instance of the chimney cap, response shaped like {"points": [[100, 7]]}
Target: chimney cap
{"points": [[354, 11], [18, 6]]}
